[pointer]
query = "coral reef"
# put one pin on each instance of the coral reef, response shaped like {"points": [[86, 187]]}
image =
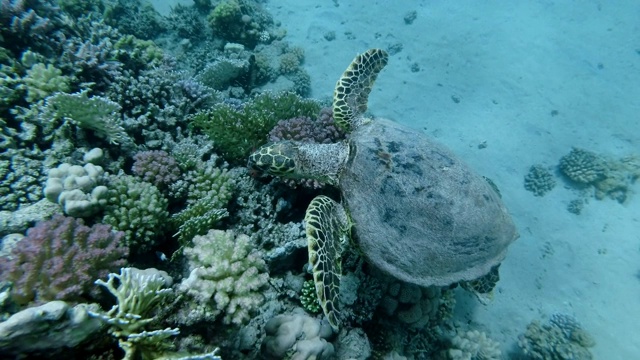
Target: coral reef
{"points": [[611, 178], [241, 21], [21, 177], [226, 275], [562, 338], [539, 180], [59, 259]]}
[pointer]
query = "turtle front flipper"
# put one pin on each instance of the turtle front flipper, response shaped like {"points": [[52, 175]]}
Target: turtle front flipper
{"points": [[352, 90], [327, 227]]}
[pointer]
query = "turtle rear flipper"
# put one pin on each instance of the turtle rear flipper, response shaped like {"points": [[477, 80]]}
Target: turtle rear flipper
{"points": [[352, 90], [327, 227], [483, 287]]}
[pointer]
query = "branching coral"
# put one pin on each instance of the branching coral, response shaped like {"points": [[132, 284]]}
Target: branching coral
{"points": [[60, 258], [156, 167], [237, 132], [539, 180], [138, 208], [226, 275]]}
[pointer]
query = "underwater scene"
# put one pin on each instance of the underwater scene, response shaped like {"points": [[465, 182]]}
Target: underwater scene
{"points": [[264, 179]]}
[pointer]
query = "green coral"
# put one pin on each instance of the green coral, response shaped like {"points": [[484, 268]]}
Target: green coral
{"points": [[138, 208], [227, 274], [138, 292], [237, 132], [309, 298], [539, 180], [96, 113], [239, 21], [209, 191], [138, 53], [43, 80]]}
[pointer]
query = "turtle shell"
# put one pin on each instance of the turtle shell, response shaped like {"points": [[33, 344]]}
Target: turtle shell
{"points": [[420, 214]]}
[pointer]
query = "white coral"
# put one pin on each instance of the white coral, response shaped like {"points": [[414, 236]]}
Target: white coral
{"points": [[474, 345], [225, 271]]}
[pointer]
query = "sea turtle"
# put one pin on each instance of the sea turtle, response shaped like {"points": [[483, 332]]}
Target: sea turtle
{"points": [[412, 208]]}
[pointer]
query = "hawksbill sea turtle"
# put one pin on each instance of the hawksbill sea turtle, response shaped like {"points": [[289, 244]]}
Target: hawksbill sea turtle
{"points": [[410, 206]]}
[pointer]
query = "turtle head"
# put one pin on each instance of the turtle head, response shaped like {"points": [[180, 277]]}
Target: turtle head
{"points": [[298, 160], [275, 159]]}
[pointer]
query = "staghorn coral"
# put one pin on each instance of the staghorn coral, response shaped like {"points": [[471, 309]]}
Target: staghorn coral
{"points": [[156, 167], [138, 208], [138, 292], [539, 180], [226, 275], [60, 258]]}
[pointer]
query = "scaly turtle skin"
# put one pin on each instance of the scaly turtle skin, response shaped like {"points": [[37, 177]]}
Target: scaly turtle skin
{"points": [[413, 209]]}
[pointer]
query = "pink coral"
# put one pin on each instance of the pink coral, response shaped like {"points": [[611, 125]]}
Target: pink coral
{"points": [[322, 130], [156, 167], [59, 259]]}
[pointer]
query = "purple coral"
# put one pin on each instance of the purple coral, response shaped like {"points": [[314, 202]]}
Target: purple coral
{"points": [[156, 167], [323, 130], [59, 259]]}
